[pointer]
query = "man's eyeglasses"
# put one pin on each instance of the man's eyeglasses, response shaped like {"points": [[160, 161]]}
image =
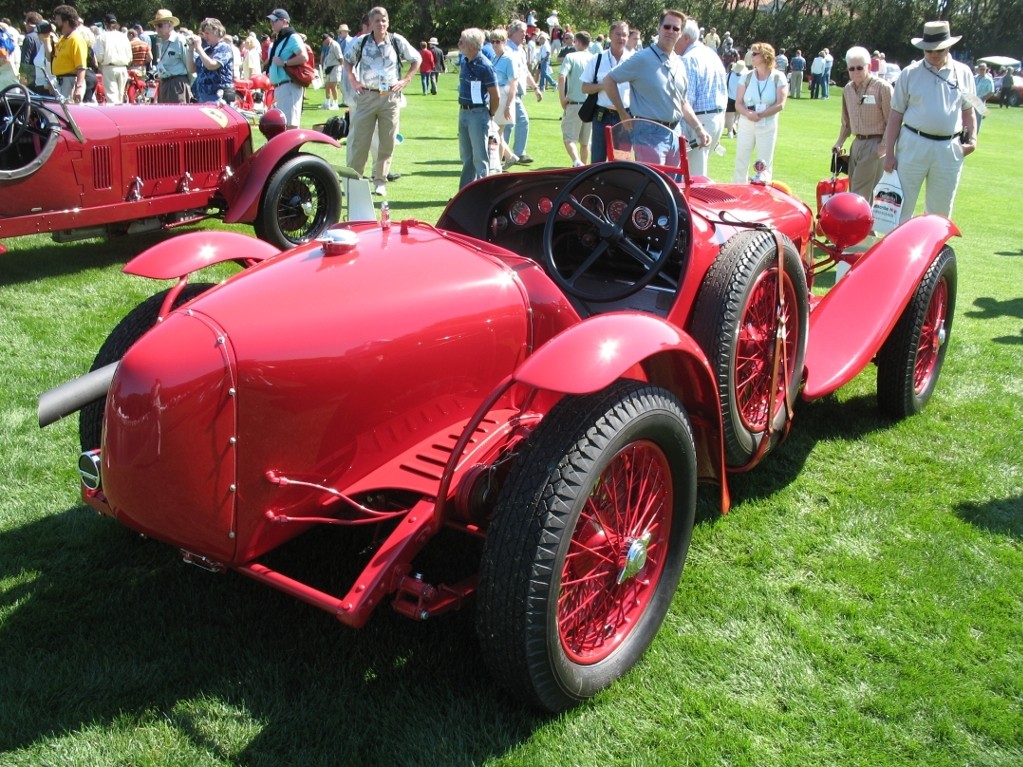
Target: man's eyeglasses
{"points": [[856, 69], [671, 27]]}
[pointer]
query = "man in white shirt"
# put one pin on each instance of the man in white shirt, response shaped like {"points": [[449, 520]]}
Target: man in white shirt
{"points": [[597, 69], [516, 48], [113, 52]]}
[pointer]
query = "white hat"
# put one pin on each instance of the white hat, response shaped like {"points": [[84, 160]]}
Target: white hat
{"points": [[937, 37]]}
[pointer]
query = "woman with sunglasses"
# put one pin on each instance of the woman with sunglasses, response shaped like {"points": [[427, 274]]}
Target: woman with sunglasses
{"points": [[866, 104], [758, 100]]}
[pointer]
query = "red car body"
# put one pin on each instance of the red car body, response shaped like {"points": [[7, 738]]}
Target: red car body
{"points": [[463, 378], [86, 171]]}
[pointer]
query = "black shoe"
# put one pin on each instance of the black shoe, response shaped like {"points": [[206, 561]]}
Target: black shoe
{"points": [[393, 176], [525, 159]]}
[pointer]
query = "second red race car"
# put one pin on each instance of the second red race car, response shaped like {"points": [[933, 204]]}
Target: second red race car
{"points": [[90, 171]]}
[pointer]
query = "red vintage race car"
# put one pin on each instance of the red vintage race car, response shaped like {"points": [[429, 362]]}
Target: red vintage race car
{"points": [[542, 377], [87, 171]]}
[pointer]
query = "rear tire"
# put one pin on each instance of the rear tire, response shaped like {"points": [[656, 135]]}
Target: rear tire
{"points": [[587, 544], [302, 198], [910, 361], [130, 329], [734, 322]]}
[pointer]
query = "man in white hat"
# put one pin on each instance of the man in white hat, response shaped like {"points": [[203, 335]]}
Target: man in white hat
{"points": [[172, 60], [439, 64], [933, 120]]}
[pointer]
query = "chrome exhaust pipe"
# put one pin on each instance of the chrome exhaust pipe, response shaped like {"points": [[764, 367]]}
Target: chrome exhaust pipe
{"points": [[74, 395]]}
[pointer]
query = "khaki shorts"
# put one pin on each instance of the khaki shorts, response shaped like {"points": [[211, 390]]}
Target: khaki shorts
{"points": [[574, 129]]}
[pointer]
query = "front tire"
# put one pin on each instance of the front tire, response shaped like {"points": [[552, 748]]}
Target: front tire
{"points": [[587, 544], [130, 329], [735, 321], [910, 361], [302, 198]]}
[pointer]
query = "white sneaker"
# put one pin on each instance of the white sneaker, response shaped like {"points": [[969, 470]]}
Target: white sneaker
{"points": [[512, 160], [334, 106], [325, 105], [380, 190], [577, 164]]}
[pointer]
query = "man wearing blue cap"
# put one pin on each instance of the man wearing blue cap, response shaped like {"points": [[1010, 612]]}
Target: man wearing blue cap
{"points": [[287, 50]]}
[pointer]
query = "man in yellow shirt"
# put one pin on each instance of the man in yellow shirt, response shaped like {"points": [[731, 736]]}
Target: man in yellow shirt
{"points": [[70, 52]]}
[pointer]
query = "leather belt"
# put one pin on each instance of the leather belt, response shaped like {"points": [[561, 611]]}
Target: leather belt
{"points": [[472, 106], [574, 102], [668, 125], [709, 112], [931, 136], [861, 137]]}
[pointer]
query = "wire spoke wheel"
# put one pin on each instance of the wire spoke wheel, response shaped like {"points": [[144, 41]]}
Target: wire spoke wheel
{"points": [[616, 554], [910, 362], [587, 544]]}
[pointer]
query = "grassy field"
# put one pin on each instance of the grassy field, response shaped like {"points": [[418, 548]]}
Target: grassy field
{"points": [[862, 604]]}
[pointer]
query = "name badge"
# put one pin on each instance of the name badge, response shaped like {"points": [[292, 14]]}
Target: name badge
{"points": [[760, 107], [870, 100]]}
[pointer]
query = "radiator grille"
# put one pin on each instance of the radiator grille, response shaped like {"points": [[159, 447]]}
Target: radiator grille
{"points": [[158, 161], [204, 156], [101, 174]]}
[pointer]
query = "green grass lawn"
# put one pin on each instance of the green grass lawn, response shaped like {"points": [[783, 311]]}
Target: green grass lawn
{"points": [[862, 604]]}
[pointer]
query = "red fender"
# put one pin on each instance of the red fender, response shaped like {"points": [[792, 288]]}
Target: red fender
{"points": [[243, 190], [850, 324], [593, 354], [175, 257]]}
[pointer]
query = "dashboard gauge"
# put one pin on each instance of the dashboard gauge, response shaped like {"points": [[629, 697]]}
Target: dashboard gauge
{"points": [[594, 205], [567, 209], [520, 213], [545, 205], [615, 210], [642, 218], [662, 221]]}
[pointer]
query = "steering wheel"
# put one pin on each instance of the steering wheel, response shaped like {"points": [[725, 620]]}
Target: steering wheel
{"points": [[15, 113], [612, 234]]}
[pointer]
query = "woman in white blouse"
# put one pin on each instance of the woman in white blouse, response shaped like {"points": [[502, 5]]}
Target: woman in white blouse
{"points": [[759, 98]]}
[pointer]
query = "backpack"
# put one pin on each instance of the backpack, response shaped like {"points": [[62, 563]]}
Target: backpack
{"points": [[394, 42], [337, 127]]}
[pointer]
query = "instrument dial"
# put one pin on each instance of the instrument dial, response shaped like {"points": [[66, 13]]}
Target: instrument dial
{"points": [[642, 218], [594, 205], [520, 213]]}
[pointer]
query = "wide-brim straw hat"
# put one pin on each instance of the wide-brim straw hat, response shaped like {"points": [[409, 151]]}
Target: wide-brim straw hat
{"points": [[164, 15], [937, 37]]}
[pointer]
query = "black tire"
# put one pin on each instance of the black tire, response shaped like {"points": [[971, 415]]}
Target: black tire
{"points": [[301, 199], [585, 456], [130, 329], [910, 361], [1013, 99], [734, 322]]}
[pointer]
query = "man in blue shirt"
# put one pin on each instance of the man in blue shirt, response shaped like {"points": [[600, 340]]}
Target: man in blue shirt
{"points": [[708, 92], [287, 50], [477, 103], [798, 65]]}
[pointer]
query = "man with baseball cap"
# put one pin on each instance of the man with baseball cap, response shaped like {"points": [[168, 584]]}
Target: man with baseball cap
{"points": [[933, 120], [287, 50]]}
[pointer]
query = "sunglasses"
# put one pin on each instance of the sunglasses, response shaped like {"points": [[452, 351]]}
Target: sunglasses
{"points": [[856, 69], [755, 53], [672, 27]]}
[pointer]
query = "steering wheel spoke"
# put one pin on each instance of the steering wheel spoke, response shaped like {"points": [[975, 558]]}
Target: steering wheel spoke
{"points": [[642, 184]]}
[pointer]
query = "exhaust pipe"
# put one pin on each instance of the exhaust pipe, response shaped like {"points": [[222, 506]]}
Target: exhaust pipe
{"points": [[74, 395]]}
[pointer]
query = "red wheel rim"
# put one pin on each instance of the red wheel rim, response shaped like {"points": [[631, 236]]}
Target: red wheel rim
{"points": [[617, 553], [754, 350], [932, 338]]}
